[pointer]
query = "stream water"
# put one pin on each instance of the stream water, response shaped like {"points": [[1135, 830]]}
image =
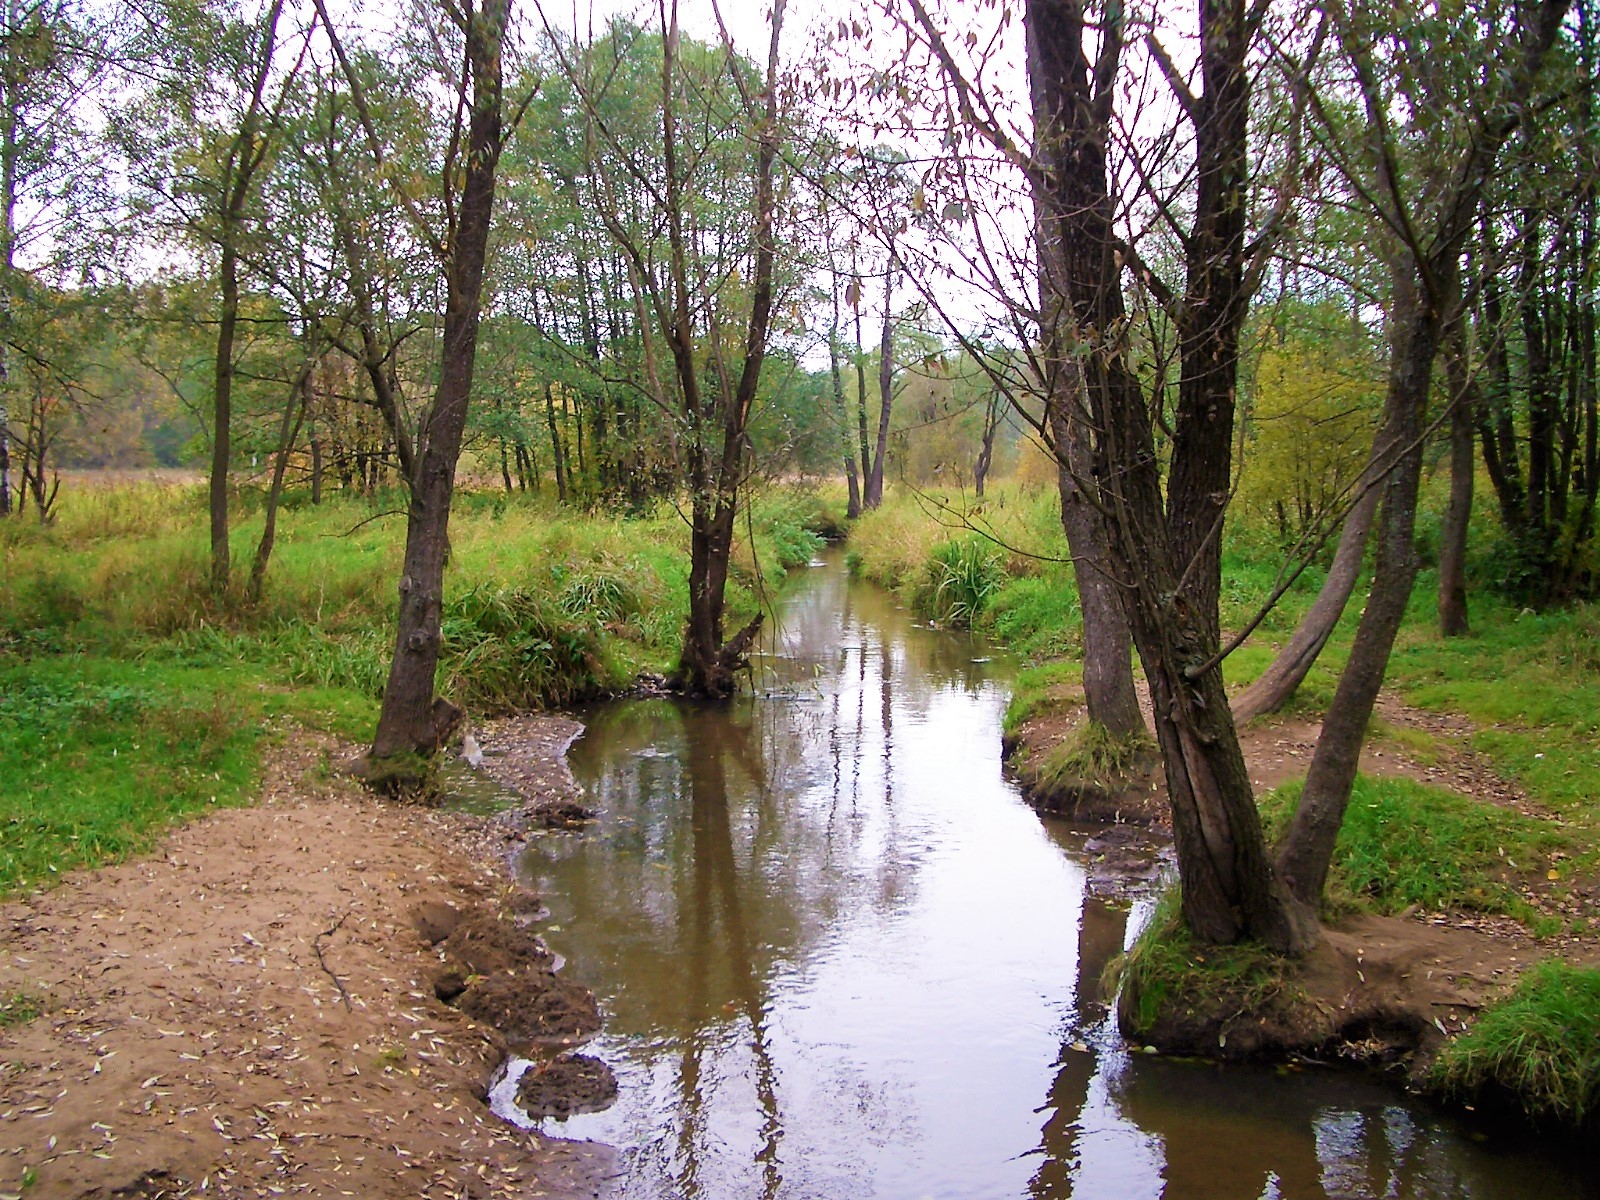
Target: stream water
{"points": [[839, 957]]}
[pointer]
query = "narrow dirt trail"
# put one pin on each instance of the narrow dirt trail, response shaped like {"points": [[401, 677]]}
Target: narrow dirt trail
{"points": [[249, 1012]]}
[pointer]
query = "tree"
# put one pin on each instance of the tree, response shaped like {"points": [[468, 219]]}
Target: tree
{"points": [[699, 237], [1431, 215], [411, 721], [49, 54]]}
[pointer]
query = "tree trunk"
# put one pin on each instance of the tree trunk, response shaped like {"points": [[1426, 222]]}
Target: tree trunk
{"points": [[708, 666], [853, 508], [1453, 537], [245, 155], [222, 418], [1307, 846], [410, 720], [1273, 688], [555, 444], [872, 492], [1108, 688], [5, 446], [294, 415], [1426, 294]]}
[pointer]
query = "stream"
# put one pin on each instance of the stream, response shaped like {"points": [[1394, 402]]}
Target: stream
{"points": [[839, 957]]}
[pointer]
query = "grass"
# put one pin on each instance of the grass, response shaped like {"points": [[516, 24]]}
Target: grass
{"points": [[18, 1008], [1047, 687], [131, 699], [1167, 970], [1405, 843], [1539, 1048], [101, 756], [1091, 753]]}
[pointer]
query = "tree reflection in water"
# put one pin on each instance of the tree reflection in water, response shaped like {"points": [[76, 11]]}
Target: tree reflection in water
{"points": [[839, 958]]}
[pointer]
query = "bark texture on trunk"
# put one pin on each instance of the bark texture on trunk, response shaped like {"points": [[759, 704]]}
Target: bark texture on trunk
{"points": [[1453, 616], [410, 721], [1163, 551]]}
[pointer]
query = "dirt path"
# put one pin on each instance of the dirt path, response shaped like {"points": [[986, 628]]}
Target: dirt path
{"points": [[249, 1012]]}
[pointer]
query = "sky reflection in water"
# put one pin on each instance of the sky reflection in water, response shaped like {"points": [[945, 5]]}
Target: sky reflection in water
{"points": [[840, 958]]}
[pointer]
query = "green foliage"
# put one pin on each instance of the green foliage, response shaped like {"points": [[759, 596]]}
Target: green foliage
{"points": [[962, 576], [1314, 401], [510, 648], [1405, 843], [1038, 615], [1167, 968], [1539, 1047]]}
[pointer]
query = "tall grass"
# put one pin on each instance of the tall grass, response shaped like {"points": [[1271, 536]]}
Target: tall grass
{"points": [[1539, 1048]]}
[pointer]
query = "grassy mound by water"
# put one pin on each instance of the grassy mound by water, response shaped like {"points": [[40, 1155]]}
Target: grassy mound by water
{"points": [[1538, 1049]]}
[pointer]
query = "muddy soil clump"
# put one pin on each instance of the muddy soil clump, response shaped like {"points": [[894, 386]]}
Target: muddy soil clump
{"points": [[565, 1086]]}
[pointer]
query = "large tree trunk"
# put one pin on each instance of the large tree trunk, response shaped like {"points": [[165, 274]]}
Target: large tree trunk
{"points": [[1162, 552], [410, 721], [1453, 620], [1108, 688]]}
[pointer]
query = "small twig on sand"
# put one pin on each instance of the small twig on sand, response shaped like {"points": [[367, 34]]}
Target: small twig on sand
{"points": [[316, 945]]}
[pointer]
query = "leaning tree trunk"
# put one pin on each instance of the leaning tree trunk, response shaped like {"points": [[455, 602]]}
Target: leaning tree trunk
{"points": [[294, 415], [411, 721], [1273, 688], [1426, 295], [1307, 847]]}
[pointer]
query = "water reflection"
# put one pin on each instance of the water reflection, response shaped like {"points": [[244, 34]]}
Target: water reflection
{"points": [[840, 958]]}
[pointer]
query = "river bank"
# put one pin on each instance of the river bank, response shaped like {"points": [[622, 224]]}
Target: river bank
{"points": [[1474, 822], [251, 1009]]}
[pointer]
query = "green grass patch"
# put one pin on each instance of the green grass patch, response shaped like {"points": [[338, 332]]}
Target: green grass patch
{"points": [[1048, 687], [1405, 843], [100, 756], [959, 580], [1168, 970], [1539, 1047], [18, 1008]]}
